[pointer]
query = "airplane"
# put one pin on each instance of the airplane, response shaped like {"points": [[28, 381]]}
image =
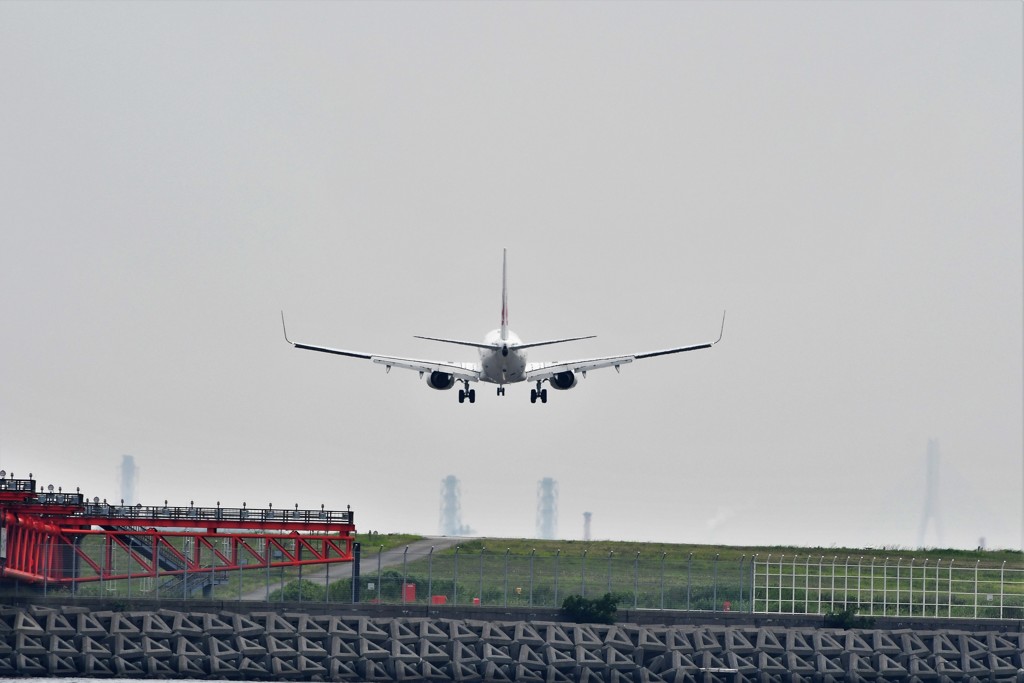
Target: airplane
{"points": [[503, 359]]}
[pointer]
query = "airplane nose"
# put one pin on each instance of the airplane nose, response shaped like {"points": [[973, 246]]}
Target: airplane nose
{"points": [[504, 350]]}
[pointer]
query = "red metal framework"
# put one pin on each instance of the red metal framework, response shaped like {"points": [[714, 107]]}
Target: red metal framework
{"points": [[60, 538]]}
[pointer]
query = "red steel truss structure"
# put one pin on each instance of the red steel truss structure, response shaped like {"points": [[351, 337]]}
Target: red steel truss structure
{"points": [[62, 539]]}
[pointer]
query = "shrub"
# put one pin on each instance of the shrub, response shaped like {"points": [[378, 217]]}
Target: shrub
{"points": [[847, 618], [581, 610]]}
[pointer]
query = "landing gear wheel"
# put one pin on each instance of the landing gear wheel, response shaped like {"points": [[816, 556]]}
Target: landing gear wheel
{"points": [[501, 391], [543, 395], [533, 395], [462, 396], [472, 395]]}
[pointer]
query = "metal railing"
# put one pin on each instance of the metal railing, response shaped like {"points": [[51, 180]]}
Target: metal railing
{"points": [[888, 587]]}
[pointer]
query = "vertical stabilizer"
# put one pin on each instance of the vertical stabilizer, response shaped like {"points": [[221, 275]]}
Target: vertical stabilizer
{"points": [[504, 294]]}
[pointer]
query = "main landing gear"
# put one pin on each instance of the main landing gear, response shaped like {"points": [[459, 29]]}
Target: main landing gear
{"points": [[542, 394], [467, 393]]}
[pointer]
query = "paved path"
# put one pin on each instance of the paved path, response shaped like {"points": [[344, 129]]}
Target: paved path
{"points": [[389, 558]]}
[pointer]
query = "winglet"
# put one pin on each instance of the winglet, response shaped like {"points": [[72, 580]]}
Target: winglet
{"points": [[722, 332], [285, 330]]}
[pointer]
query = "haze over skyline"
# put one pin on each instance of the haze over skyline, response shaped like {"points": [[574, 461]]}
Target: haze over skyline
{"points": [[844, 178]]}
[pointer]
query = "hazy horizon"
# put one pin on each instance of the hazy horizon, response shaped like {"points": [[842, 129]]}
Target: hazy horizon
{"points": [[844, 178]]}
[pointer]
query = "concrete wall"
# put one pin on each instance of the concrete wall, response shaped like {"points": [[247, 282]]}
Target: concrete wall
{"points": [[395, 643]]}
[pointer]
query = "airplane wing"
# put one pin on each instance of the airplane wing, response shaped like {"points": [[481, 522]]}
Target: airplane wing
{"points": [[542, 371], [461, 371]]}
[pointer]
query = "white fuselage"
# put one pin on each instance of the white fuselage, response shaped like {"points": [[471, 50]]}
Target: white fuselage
{"points": [[504, 363]]}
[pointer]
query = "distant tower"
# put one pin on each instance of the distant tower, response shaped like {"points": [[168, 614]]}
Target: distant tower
{"points": [[931, 495], [451, 508], [129, 477], [547, 508], [586, 526]]}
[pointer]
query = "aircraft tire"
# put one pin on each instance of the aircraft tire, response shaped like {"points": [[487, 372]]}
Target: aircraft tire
{"points": [[462, 396], [472, 395], [533, 395], [543, 395]]}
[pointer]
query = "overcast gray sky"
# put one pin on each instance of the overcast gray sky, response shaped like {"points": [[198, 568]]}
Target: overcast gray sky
{"points": [[844, 178]]}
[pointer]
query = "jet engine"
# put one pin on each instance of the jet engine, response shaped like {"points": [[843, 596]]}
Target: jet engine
{"points": [[440, 380], [563, 380]]}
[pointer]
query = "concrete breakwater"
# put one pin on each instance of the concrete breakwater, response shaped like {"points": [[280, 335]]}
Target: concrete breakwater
{"points": [[76, 641]]}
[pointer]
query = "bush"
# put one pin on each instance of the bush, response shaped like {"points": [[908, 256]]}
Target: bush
{"points": [[847, 618], [581, 610]]}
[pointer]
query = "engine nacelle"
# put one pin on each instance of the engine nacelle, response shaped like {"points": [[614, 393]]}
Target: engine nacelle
{"points": [[563, 380], [440, 380]]}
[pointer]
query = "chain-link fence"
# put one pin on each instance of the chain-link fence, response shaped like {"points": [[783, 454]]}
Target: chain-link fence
{"points": [[803, 584], [508, 579]]}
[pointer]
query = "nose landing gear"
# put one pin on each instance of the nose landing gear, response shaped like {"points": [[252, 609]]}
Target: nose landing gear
{"points": [[501, 391]]}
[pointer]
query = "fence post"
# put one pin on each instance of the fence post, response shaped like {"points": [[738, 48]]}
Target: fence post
{"points": [[767, 582], [807, 584], [871, 610], [832, 598], [860, 563], [949, 596], [507, 551], [885, 586], [1002, 571], [792, 594], [846, 580], [753, 583], [689, 561], [938, 562], [610, 553], [430, 576], [821, 563], [663, 580], [910, 595], [583, 576], [741, 558], [455, 578], [558, 552], [482, 549], [924, 587], [781, 581], [714, 589], [532, 553], [899, 562], [636, 578], [378, 572], [405, 562], [978, 562]]}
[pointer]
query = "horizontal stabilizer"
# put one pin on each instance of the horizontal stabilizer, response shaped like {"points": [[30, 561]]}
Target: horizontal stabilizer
{"points": [[476, 345], [553, 341]]}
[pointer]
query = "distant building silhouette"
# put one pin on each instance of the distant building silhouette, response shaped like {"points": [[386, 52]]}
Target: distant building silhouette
{"points": [[931, 496], [547, 508], [129, 478], [451, 509]]}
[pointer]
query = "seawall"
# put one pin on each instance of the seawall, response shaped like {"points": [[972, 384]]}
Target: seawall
{"points": [[409, 643]]}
